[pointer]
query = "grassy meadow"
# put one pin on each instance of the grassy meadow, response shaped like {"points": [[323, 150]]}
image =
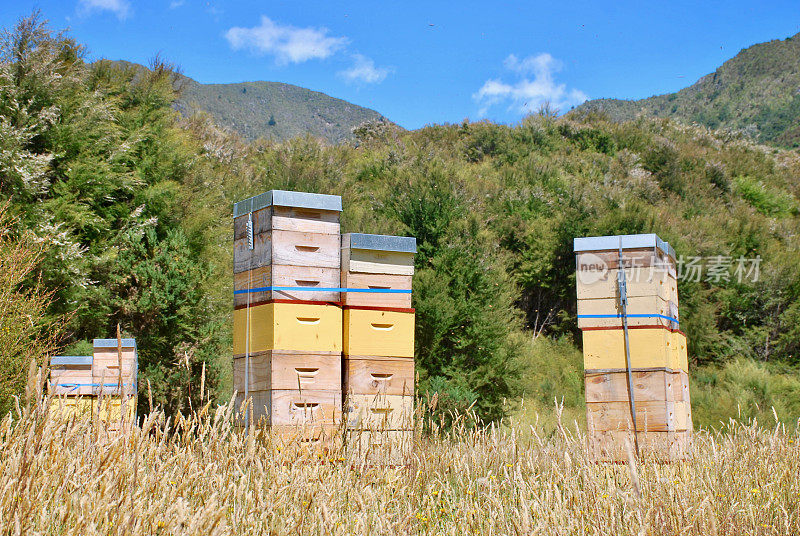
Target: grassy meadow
{"points": [[199, 475]]}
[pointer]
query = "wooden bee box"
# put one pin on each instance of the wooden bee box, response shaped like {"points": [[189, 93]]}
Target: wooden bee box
{"points": [[378, 268], [288, 325], [639, 282], [374, 375], [643, 250], [71, 375], [641, 311], [293, 407], [660, 446], [293, 248], [604, 349], [304, 279], [381, 332], [368, 286], [637, 257], [379, 412], [106, 371], [651, 415], [378, 254], [69, 407], [107, 408], [680, 350], [289, 228], [299, 219], [284, 369], [648, 386]]}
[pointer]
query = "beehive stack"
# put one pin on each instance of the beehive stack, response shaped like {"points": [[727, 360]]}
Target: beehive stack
{"points": [[378, 342], [100, 384], [658, 358], [287, 322]]}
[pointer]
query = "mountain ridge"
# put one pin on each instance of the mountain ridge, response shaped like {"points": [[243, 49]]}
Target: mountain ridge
{"points": [[271, 110], [756, 92]]}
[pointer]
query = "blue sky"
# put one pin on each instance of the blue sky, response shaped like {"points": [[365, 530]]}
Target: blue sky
{"points": [[429, 62]]}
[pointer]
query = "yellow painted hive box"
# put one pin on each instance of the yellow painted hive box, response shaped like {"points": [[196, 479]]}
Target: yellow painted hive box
{"points": [[107, 409], [378, 332], [604, 349], [302, 327]]}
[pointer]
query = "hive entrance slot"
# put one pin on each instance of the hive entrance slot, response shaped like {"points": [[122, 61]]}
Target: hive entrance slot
{"points": [[381, 376], [308, 214]]}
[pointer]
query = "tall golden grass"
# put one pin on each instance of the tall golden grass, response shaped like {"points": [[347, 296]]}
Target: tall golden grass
{"points": [[199, 475]]}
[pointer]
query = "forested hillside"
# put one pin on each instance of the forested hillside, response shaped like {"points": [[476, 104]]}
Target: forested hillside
{"points": [[132, 204], [757, 92]]}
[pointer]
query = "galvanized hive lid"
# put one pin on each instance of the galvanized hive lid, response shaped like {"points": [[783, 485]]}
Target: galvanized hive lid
{"points": [[283, 198], [71, 360], [401, 244], [637, 241], [112, 343]]}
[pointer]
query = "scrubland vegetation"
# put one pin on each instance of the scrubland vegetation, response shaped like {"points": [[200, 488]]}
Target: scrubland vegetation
{"points": [[127, 207]]}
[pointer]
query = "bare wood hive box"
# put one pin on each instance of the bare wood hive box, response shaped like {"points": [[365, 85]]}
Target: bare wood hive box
{"points": [[296, 247], [285, 369], [106, 371], [71, 375], [378, 375], [377, 269], [286, 408]]}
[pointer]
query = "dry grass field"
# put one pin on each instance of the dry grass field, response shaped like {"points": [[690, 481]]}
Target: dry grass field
{"points": [[200, 476]]}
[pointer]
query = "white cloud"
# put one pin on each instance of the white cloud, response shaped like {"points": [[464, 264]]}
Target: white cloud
{"points": [[176, 4], [121, 8], [288, 44], [534, 86], [364, 70]]}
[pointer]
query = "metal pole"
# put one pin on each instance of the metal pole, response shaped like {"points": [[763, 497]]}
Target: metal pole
{"points": [[250, 245], [623, 302]]}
